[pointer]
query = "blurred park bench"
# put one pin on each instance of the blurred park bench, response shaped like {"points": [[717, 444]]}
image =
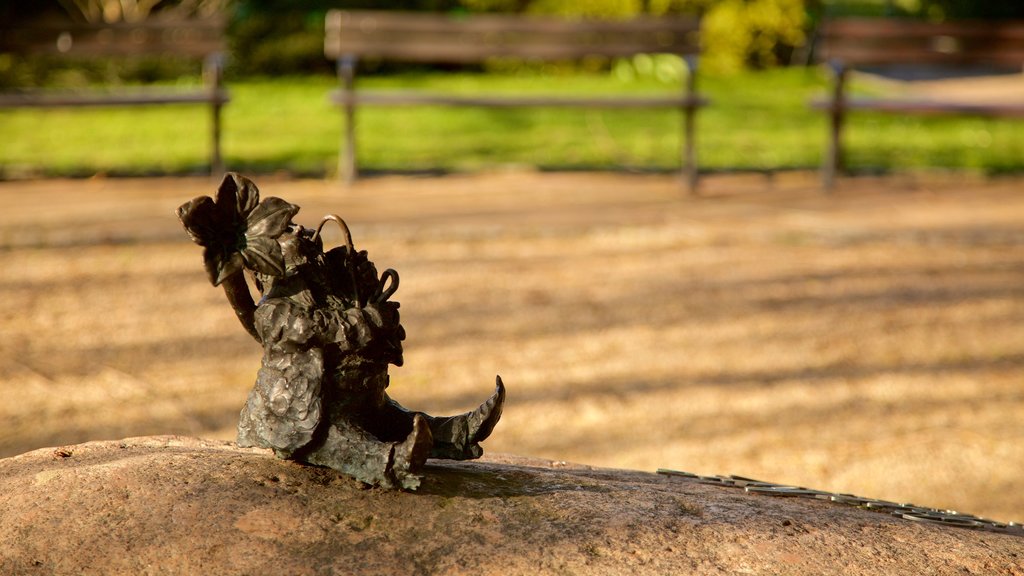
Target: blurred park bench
{"points": [[904, 45], [159, 36], [438, 38]]}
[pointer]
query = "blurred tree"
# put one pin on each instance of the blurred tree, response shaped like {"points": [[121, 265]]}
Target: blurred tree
{"points": [[137, 10]]}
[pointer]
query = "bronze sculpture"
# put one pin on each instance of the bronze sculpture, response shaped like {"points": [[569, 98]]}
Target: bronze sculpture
{"points": [[328, 330]]}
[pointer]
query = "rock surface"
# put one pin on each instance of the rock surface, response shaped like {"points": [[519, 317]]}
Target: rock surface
{"points": [[186, 506]]}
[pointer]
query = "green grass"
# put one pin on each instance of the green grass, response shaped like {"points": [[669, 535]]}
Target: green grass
{"points": [[758, 121]]}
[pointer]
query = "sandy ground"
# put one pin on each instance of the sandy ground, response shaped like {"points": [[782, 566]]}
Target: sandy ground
{"points": [[996, 89], [866, 342]]}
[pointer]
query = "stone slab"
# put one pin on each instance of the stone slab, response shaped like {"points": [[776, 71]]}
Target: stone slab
{"points": [[177, 505]]}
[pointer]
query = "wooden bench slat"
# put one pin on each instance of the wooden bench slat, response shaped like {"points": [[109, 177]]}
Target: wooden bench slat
{"points": [[193, 38], [880, 28], [437, 38], [881, 56], [355, 40], [926, 107], [864, 53], [421, 98], [125, 49], [469, 49], [875, 42], [76, 99], [469, 52], [379, 21]]}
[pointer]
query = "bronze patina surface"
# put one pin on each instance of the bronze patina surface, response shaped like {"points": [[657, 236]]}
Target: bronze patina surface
{"points": [[329, 330]]}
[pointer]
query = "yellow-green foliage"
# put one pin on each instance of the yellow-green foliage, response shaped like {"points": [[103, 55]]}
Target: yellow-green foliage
{"points": [[608, 9], [740, 33]]}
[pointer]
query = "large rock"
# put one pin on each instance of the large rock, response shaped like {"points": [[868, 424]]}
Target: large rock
{"points": [[187, 506]]}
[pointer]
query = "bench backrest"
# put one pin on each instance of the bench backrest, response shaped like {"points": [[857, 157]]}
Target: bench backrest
{"points": [[193, 37], [869, 42], [432, 37]]}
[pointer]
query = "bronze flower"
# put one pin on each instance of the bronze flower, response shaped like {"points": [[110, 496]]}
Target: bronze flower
{"points": [[237, 230]]}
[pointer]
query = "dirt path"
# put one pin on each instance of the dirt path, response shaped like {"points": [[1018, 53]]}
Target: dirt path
{"points": [[868, 342], [994, 89]]}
